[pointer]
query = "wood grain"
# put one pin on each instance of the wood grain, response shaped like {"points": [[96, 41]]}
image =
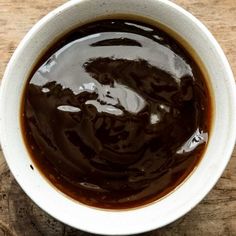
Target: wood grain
{"points": [[215, 215]]}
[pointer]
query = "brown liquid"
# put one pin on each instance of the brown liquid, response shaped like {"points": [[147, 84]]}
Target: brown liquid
{"points": [[117, 115]]}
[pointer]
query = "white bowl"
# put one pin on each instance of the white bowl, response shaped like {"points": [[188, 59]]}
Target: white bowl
{"points": [[197, 185]]}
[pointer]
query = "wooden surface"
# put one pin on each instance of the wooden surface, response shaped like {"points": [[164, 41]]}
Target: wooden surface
{"points": [[215, 215]]}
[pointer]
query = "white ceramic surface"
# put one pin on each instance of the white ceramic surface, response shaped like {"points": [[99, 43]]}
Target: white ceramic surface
{"points": [[185, 197]]}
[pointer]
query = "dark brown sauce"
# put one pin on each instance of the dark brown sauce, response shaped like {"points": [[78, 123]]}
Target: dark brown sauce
{"points": [[116, 114]]}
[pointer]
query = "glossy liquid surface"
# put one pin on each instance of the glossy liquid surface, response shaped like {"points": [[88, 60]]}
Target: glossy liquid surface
{"points": [[116, 114]]}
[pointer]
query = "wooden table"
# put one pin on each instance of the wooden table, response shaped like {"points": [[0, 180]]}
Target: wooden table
{"points": [[215, 215]]}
